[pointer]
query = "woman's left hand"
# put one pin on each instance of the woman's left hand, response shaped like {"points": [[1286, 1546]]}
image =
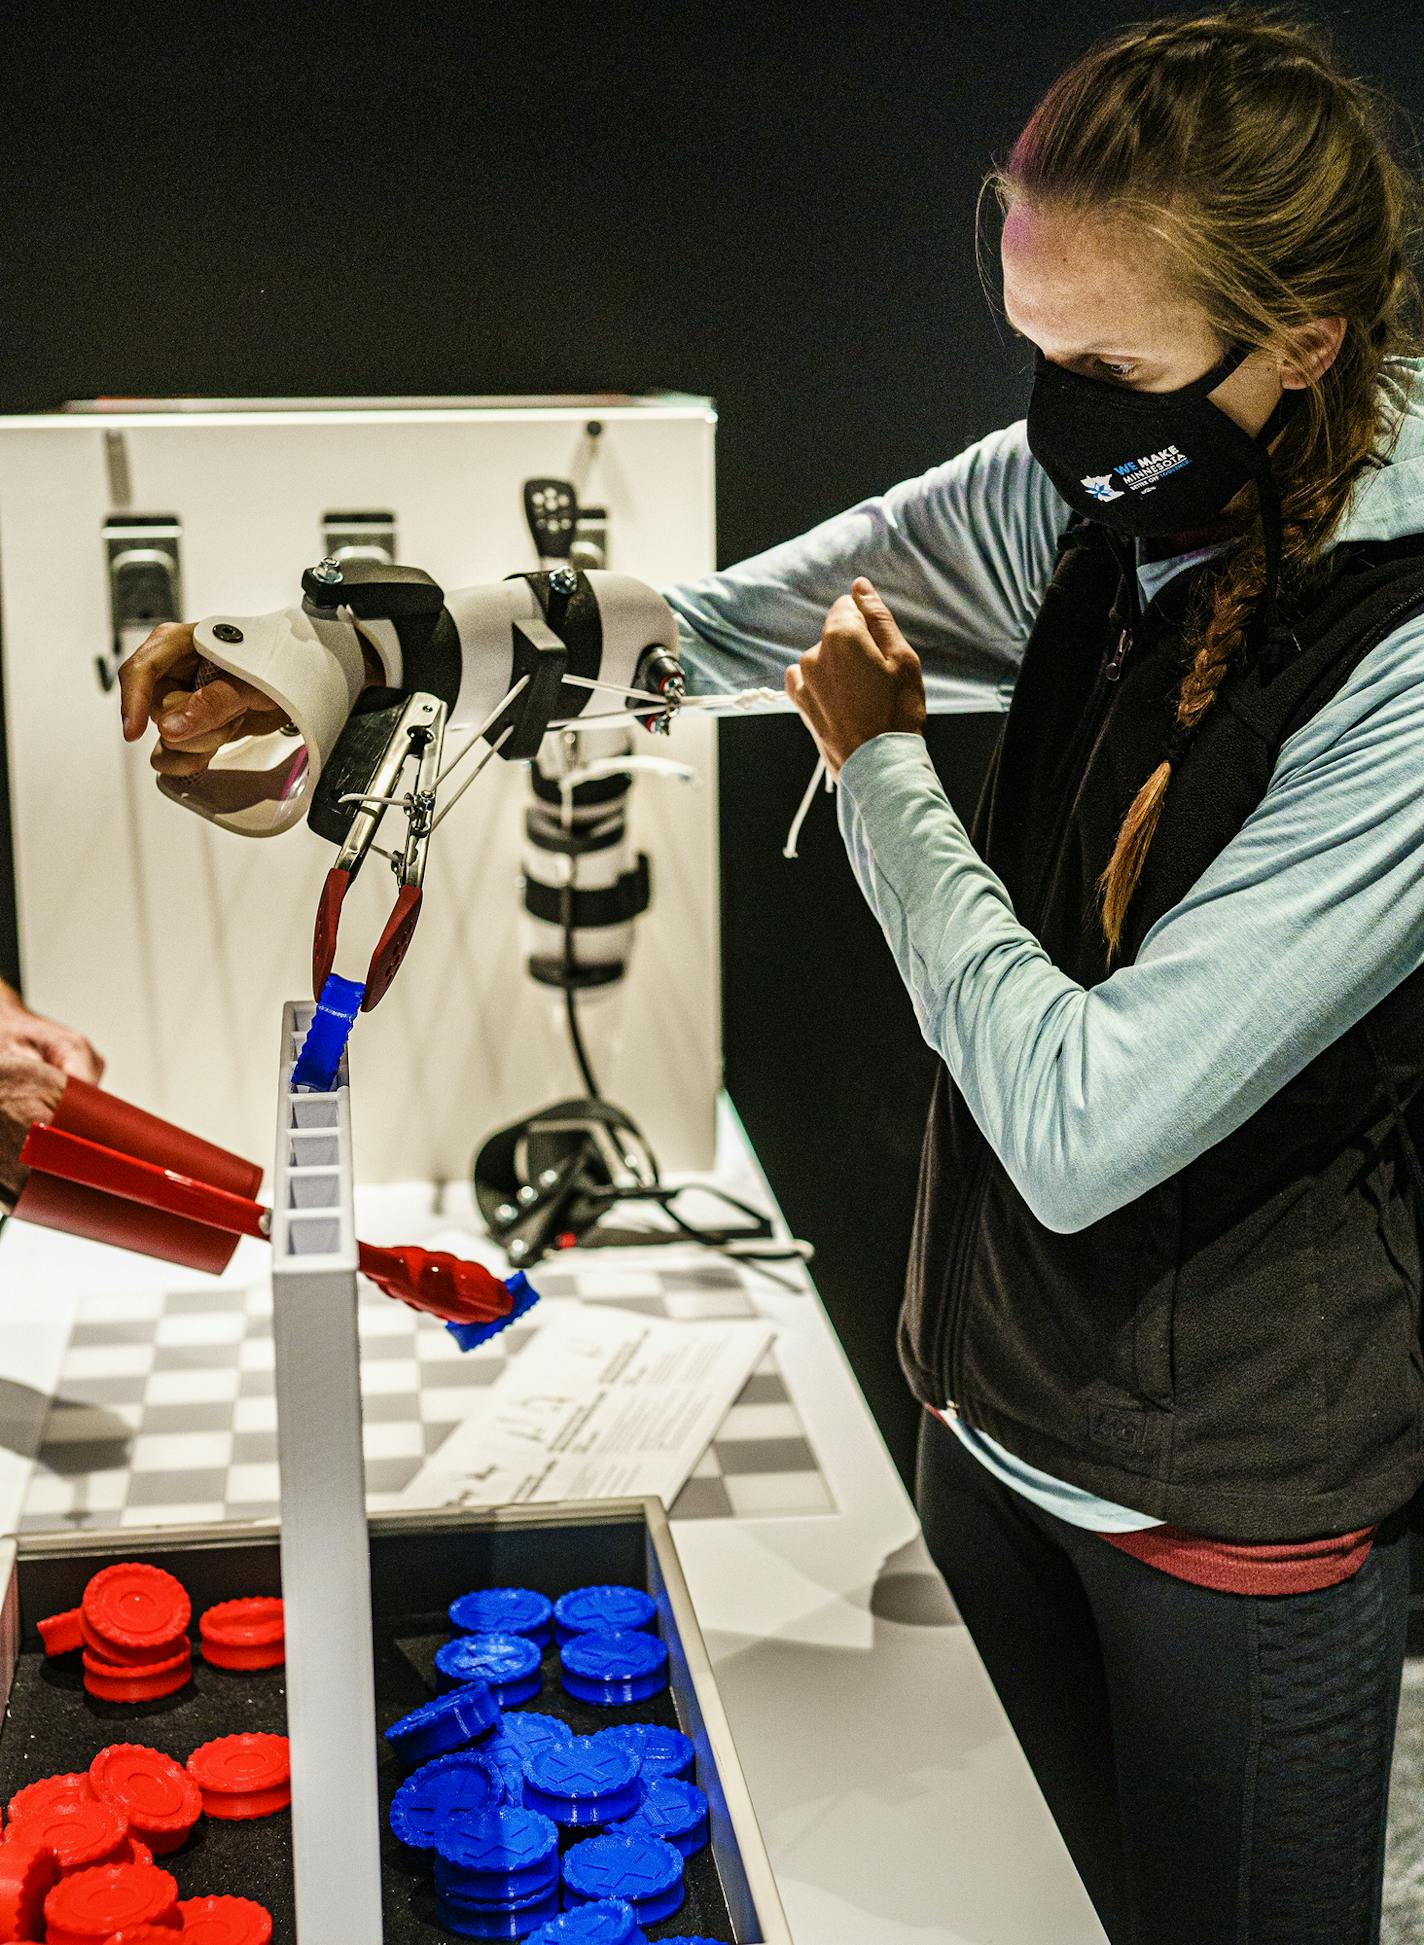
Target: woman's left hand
{"points": [[861, 679]]}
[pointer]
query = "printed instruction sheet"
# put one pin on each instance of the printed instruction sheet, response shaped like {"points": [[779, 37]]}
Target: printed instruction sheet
{"points": [[600, 1404]]}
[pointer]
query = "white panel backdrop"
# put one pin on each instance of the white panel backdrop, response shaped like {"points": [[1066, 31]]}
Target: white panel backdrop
{"points": [[173, 944]]}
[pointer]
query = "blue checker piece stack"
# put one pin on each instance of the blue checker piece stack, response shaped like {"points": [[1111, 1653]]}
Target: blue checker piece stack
{"points": [[626, 1666], [446, 1794], [509, 1663], [497, 1876], [585, 1781], [504, 1610], [672, 1810], [448, 1723], [609, 1922], [644, 1872], [663, 1752], [604, 1609]]}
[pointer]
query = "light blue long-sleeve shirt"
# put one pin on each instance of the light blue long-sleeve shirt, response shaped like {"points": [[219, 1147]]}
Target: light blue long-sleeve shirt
{"points": [[1309, 917]]}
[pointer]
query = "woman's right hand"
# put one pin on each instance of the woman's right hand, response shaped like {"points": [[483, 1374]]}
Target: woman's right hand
{"points": [[163, 682]]}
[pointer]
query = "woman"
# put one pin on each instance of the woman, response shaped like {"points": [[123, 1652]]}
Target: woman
{"points": [[1162, 1301]]}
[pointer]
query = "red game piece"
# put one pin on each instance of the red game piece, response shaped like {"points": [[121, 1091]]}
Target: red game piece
{"points": [[144, 1935], [46, 1790], [78, 1830], [27, 1871], [244, 1634], [164, 1679], [135, 1611], [114, 1682], [158, 1797], [243, 1623], [61, 1633], [243, 1776], [225, 1921], [91, 1906], [268, 1655]]}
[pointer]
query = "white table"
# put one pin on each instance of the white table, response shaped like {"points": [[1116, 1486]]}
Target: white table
{"points": [[897, 1806]]}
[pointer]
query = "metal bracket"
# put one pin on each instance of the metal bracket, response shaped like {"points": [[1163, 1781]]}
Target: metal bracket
{"points": [[145, 583]]}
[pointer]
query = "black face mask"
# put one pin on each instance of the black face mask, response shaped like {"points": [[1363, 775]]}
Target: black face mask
{"points": [[1155, 462]]}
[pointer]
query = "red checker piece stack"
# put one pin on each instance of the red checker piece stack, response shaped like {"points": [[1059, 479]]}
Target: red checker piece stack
{"points": [[244, 1634], [224, 1921], [134, 1625], [27, 1875], [157, 1797], [88, 1908], [243, 1776]]}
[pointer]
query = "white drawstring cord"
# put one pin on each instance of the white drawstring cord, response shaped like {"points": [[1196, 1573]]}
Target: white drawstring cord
{"points": [[788, 850], [765, 700], [614, 689], [495, 746], [453, 765]]}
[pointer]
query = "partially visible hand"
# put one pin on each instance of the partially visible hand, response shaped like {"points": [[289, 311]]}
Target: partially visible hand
{"points": [[30, 1036], [162, 682], [29, 1092], [860, 680]]}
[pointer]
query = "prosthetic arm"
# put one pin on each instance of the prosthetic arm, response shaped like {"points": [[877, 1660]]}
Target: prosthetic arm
{"points": [[591, 645], [510, 661]]}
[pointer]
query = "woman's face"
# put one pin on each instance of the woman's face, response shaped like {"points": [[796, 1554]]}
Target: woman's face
{"points": [[1093, 298]]}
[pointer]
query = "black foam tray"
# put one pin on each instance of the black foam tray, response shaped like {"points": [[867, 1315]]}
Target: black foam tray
{"points": [[52, 1725]]}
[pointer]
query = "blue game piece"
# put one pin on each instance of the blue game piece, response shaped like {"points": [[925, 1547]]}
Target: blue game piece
{"points": [[609, 1922], [508, 1662], [508, 1759], [337, 1006], [610, 1668], [496, 1920], [674, 1811], [586, 1780], [603, 1610], [520, 1733], [504, 1610], [470, 1336], [643, 1871], [448, 1723], [529, 1730], [502, 1857], [664, 1752], [447, 1791]]}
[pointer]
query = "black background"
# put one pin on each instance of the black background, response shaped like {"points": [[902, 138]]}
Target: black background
{"points": [[773, 206]]}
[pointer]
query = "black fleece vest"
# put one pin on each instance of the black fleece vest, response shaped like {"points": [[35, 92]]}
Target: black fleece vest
{"points": [[1237, 1351]]}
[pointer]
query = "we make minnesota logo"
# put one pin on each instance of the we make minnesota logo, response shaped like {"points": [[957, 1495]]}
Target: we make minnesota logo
{"points": [[1138, 475]]}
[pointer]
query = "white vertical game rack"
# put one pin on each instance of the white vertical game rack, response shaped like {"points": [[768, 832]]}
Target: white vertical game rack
{"points": [[326, 1584]]}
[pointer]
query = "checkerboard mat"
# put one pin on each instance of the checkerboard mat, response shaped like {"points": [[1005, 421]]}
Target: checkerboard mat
{"points": [[164, 1411]]}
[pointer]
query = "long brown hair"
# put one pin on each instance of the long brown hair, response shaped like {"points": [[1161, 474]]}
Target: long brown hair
{"points": [[1237, 141]]}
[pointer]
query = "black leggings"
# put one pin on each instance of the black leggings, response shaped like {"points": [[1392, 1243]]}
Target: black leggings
{"points": [[1218, 1764]]}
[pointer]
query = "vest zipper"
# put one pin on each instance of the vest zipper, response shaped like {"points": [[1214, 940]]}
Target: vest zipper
{"points": [[980, 1178]]}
